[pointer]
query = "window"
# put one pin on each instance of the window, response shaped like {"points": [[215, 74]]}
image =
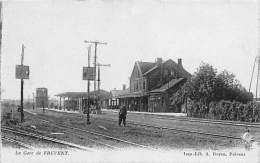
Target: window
{"points": [[173, 74], [131, 85], [166, 72], [136, 85]]}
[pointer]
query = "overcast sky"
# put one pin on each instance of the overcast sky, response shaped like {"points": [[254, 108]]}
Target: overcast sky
{"points": [[223, 33]]}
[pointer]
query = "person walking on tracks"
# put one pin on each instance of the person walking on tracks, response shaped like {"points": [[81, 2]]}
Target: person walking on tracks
{"points": [[122, 115]]}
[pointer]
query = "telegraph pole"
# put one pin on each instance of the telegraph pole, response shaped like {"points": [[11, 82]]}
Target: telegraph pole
{"points": [[256, 67], [107, 65], [252, 75], [1, 8], [257, 78], [95, 65], [257, 59], [89, 52], [98, 79], [33, 102], [22, 114], [98, 107], [22, 72], [96, 43]]}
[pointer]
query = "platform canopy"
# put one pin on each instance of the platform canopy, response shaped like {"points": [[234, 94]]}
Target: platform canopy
{"points": [[168, 85], [102, 94], [126, 94]]}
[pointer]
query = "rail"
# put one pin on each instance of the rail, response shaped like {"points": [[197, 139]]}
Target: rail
{"points": [[17, 142], [45, 138]]}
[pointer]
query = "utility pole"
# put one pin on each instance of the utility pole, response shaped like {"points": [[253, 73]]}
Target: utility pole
{"points": [[98, 79], [257, 80], [22, 57], [89, 52], [96, 43], [257, 67], [257, 59], [98, 102], [22, 72], [252, 75], [1, 17], [107, 65], [33, 102]]}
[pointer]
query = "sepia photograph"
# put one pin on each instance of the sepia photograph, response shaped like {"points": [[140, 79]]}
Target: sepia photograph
{"points": [[110, 81]]}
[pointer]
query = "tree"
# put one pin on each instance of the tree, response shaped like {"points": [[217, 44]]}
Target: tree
{"points": [[229, 88], [202, 84], [206, 86]]}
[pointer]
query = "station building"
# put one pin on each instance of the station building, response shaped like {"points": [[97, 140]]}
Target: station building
{"points": [[151, 86]]}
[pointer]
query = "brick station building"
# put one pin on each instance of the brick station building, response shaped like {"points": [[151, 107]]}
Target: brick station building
{"points": [[151, 86]]}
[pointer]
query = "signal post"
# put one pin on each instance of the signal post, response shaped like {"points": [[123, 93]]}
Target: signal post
{"points": [[89, 75], [22, 72]]}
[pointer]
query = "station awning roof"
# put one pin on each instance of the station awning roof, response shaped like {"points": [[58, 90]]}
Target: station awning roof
{"points": [[117, 93], [102, 94], [128, 94], [167, 86], [132, 94]]}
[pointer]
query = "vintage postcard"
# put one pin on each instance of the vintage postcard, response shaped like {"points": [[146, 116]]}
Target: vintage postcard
{"points": [[98, 81]]}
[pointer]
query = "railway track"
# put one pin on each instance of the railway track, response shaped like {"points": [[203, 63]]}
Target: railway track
{"points": [[129, 143], [163, 128], [176, 129], [40, 137], [109, 137], [199, 120], [20, 143], [190, 119]]}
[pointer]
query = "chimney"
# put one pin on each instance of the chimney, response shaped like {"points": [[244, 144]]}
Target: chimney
{"points": [[158, 61], [180, 62], [124, 87]]}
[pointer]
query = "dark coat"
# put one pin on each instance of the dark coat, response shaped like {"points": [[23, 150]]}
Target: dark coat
{"points": [[123, 111]]}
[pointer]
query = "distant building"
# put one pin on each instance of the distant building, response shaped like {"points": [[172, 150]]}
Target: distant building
{"points": [[42, 97], [113, 102], [151, 86]]}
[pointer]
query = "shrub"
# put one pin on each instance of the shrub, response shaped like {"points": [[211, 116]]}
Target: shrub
{"points": [[225, 110]]}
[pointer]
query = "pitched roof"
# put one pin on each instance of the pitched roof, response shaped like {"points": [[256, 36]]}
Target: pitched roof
{"points": [[167, 86], [102, 94], [178, 68], [117, 93], [154, 68], [127, 93], [185, 73], [145, 66], [131, 94]]}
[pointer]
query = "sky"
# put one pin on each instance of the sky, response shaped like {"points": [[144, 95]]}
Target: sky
{"points": [[223, 33]]}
